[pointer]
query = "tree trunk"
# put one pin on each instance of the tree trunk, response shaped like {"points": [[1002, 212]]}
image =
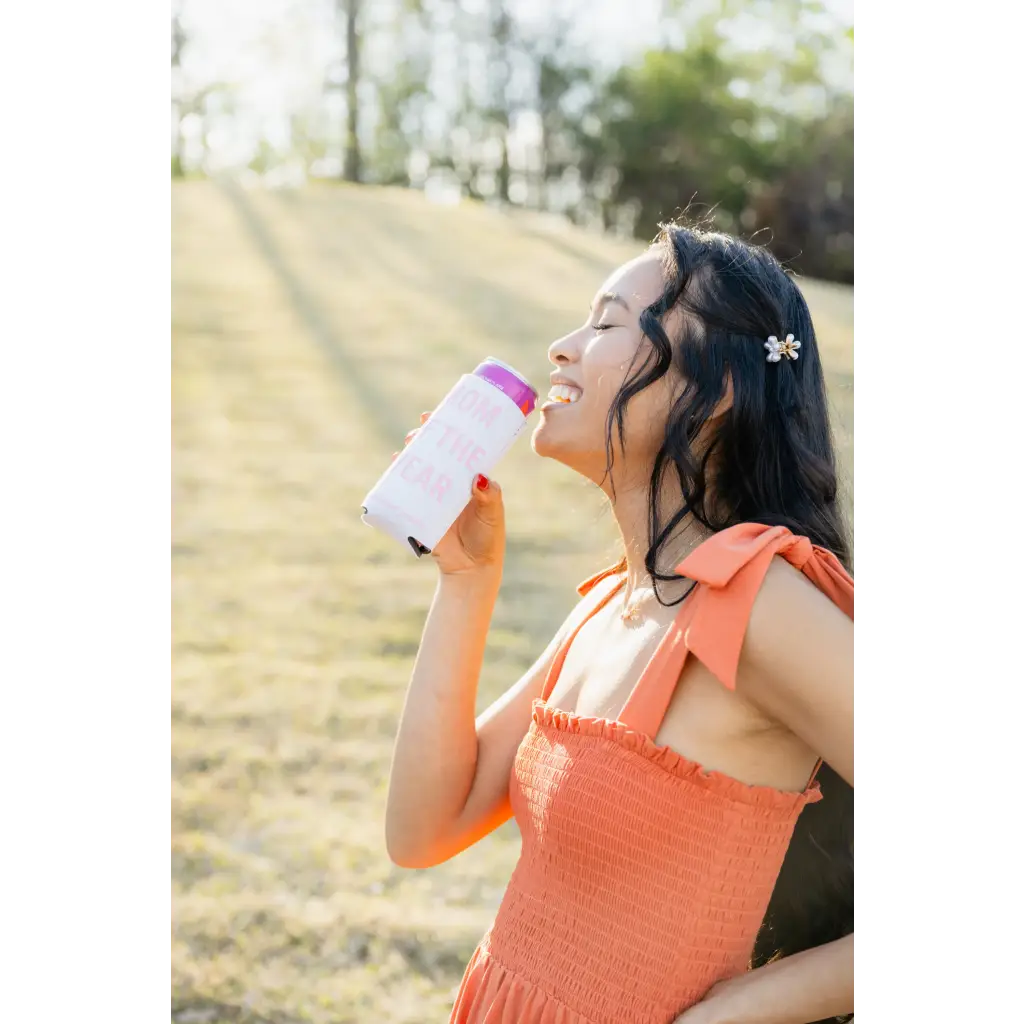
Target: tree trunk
{"points": [[543, 154], [501, 29], [504, 171], [353, 159]]}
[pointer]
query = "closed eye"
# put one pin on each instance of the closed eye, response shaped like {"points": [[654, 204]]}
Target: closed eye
{"points": [[603, 327]]}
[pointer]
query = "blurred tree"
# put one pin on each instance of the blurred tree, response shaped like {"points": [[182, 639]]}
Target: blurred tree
{"points": [[470, 117], [194, 108], [500, 100], [805, 207], [307, 141], [808, 206], [178, 41], [671, 130], [478, 36], [488, 47], [402, 91], [757, 138], [353, 156], [563, 81], [744, 110]]}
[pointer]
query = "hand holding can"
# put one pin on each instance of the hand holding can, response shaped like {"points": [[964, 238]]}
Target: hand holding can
{"points": [[431, 497], [476, 540]]}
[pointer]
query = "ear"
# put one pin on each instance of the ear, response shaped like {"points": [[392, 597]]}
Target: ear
{"points": [[725, 403]]}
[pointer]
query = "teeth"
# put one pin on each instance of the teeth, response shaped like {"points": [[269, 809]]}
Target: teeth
{"points": [[565, 394]]}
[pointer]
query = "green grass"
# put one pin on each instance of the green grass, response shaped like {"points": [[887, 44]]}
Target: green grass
{"points": [[301, 326]]}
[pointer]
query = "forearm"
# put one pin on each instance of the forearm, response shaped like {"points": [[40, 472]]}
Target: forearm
{"points": [[808, 986], [434, 760]]}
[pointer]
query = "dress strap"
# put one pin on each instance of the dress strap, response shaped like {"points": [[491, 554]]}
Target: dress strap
{"points": [[584, 588], [732, 565], [646, 705], [728, 570], [590, 582]]}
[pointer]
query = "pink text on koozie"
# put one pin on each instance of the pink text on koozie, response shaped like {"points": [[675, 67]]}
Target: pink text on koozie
{"points": [[455, 442]]}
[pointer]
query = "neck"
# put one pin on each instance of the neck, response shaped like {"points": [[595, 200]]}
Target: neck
{"points": [[631, 508]]}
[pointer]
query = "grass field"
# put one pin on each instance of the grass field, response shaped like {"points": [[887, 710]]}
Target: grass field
{"points": [[309, 331]]}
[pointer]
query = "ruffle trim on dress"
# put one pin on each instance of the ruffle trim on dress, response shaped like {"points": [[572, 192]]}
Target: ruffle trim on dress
{"points": [[492, 994], [664, 757]]}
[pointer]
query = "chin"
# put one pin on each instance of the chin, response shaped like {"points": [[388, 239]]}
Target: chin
{"points": [[540, 441], [546, 444], [549, 438]]}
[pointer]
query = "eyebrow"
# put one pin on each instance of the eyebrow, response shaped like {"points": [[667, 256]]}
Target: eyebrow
{"points": [[606, 298]]}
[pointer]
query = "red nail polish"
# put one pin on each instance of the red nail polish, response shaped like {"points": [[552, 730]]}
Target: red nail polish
{"points": [[482, 482]]}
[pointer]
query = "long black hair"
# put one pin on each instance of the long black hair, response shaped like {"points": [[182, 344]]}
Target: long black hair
{"points": [[770, 458]]}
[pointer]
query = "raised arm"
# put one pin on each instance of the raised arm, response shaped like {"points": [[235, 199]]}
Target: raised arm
{"points": [[449, 771]]}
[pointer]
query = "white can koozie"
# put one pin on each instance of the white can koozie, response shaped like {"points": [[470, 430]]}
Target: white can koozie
{"points": [[431, 482]]}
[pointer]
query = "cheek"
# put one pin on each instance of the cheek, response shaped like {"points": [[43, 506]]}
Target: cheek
{"points": [[614, 361], [609, 364], [647, 418]]}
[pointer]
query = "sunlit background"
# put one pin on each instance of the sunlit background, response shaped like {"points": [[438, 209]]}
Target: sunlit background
{"points": [[367, 199], [536, 103]]}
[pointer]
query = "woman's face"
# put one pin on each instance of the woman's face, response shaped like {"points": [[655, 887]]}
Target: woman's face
{"points": [[591, 365]]}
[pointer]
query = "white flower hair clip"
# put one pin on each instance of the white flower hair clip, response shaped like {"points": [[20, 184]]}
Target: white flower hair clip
{"points": [[777, 349]]}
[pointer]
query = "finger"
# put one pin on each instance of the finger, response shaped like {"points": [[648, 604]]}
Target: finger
{"points": [[424, 416], [486, 488], [410, 436], [487, 503], [394, 455]]}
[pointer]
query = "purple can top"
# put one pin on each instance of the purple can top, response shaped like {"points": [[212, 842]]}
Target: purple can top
{"points": [[514, 384]]}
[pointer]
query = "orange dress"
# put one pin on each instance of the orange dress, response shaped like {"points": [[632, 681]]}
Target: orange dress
{"points": [[643, 878]]}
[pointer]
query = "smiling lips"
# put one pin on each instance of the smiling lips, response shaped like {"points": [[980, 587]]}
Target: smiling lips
{"points": [[564, 394]]}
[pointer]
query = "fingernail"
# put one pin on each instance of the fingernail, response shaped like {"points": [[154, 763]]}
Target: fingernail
{"points": [[482, 482]]}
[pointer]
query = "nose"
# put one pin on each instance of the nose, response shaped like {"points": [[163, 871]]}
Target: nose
{"points": [[564, 350]]}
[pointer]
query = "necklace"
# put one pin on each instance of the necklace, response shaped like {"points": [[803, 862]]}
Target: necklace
{"points": [[631, 608]]}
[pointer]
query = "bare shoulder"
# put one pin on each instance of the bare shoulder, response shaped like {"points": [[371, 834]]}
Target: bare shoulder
{"points": [[796, 664], [788, 606]]}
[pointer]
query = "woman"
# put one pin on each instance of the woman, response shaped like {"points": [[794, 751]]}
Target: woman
{"points": [[658, 755]]}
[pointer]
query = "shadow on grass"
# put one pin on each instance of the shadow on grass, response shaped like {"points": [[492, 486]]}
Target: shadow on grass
{"points": [[208, 1011], [600, 265], [426, 266], [363, 388]]}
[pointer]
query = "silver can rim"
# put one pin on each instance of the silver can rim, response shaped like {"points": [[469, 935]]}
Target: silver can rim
{"points": [[515, 373]]}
